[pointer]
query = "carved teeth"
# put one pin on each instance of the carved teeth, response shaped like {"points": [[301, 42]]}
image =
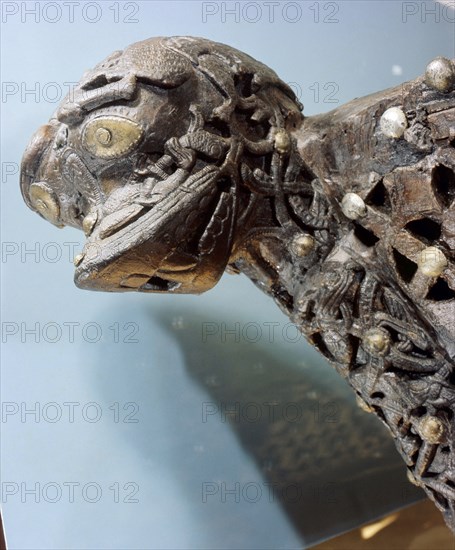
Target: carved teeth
{"points": [[302, 245], [363, 404], [377, 341], [78, 259], [440, 74], [393, 122], [412, 479], [89, 222], [353, 206], [431, 429], [432, 262]]}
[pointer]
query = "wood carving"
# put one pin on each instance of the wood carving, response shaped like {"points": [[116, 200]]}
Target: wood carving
{"points": [[181, 158]]}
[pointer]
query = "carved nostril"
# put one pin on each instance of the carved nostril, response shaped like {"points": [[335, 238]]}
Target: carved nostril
{"points": [[45, 202]]}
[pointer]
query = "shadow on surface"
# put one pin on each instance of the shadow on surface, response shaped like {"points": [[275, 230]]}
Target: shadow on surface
{"points": [[332, 467]]}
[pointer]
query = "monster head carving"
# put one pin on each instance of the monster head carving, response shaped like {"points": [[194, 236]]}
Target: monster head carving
{"points": [[160, 154]]}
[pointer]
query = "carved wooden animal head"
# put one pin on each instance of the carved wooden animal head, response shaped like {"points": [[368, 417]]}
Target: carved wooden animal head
{"points": [[179, 157], [158, 154]]}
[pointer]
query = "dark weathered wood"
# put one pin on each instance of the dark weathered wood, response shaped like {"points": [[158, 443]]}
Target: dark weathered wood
{"points": [[181, 158]]}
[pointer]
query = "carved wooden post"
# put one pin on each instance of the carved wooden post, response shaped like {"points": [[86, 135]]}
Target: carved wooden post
{"points": [[181, 158]]}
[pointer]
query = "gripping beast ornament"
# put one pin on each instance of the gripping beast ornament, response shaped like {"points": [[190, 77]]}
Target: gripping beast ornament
{"points": [[181, 158]]}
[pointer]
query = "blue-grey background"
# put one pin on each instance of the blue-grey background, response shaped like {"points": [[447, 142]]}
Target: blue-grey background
{"points": [[146, 376]]}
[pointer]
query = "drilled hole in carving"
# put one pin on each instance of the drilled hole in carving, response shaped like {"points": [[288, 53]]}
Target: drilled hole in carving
{"points": [[419, 411], [445, 449], [380, 413], [445, 411], [252, 129], [377, 395], [406, 268], [419, 352], [355, 343], [283, 296], [425, 228], [443, 180], [442, 501], [160, 285], [415, 455], [440, 291], [365, 236], [309, 313], [378, 196], [451, 378], [219, 127], [320, 344], [243, 84]]}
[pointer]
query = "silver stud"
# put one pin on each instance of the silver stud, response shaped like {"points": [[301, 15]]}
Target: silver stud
{"points": [[376, 341], [440, 74], [431, 429], [45, 202], [432, 262], [282, 142], [393, 122], [353, 206], [89, 222], [302, 245]]}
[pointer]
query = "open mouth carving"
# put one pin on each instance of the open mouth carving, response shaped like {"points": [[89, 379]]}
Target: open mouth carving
{"points": [[157, 284], [165, 246]]}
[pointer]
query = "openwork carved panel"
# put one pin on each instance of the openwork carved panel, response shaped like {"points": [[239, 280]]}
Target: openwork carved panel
{"points": [[181, 158]]}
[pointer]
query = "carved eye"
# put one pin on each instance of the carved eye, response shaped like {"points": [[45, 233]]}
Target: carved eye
{"points": [[45, 202], [111, 137]]}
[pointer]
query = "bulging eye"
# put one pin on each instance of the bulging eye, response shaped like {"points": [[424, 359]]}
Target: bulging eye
{"points": [[111, 136], [44, 201]]}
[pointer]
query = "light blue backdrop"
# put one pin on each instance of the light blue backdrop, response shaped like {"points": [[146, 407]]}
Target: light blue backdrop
{"points": [[147, 358]]}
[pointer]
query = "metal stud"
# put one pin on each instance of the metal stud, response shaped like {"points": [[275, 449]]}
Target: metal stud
{"points": [[440, 74], [432, 262], [377, 341], [431, 429], [45, 202], [282, 142], [393, 122], [302, 245], [353, 206]]}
